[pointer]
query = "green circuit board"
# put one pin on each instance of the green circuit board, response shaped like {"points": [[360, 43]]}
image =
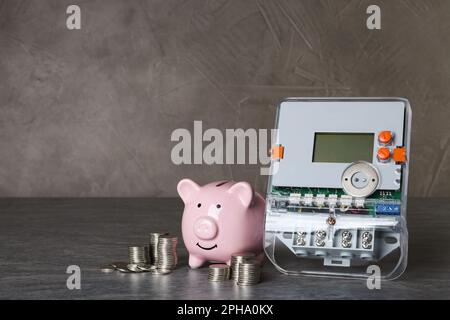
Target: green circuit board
{"points": [[370, 207], [378, 195]]}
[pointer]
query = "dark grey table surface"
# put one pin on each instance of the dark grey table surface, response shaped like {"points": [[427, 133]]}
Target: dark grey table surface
{"points": [[39, 238]]}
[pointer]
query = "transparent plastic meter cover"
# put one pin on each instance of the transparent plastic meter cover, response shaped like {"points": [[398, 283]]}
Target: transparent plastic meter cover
{"points": [[339, 217]]}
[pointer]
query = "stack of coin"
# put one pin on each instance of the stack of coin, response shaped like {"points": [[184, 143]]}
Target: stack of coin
{"points": [[238, 258], [138, 254], [158, 258], [138, 257], [167, 254], [153, 249], [249, 273], [218, 272]]}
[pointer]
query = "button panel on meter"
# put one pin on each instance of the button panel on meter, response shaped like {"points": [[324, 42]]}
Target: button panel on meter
{"points": [[385, 141]]}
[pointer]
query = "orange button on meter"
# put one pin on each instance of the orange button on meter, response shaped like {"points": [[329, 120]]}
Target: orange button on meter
{"points": [[277, 152], [385, 137], [384, 154], [399, 155]]}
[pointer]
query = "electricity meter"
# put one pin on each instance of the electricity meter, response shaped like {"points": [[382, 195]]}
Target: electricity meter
{"points": [[336, 198]]}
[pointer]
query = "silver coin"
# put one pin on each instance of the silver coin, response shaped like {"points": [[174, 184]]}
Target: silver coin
{"points": [[107, 269], [123, 270], [119, 265], [161, 271], [145, 267], [134, 267]]}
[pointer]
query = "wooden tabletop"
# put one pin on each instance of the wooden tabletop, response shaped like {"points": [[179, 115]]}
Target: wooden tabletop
{"points": [[40, 238]]}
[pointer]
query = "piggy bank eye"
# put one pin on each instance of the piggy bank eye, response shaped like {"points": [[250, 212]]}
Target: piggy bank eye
{"points": [[218, 206], [199, 205]]}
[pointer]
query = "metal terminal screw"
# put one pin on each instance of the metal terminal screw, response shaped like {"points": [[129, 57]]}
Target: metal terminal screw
{"points": [[321, 234], [346, 243], [346, 239], [320, 243], [300, 238], [366, 245], [347, 235], [331, 221], [366, 236]]}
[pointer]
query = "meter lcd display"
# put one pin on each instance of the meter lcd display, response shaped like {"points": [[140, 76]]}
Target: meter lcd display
{"points": [[343, 147]]}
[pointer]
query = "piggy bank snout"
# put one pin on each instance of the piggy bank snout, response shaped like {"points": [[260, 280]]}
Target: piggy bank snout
{"points": [[205, 228]]}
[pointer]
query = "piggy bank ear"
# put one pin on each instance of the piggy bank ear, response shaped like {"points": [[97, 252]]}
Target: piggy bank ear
{"points": [[243, 191], [186, 189]]}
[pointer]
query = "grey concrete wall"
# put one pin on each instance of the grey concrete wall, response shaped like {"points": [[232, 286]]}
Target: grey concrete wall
{"points": [[91, 112]]}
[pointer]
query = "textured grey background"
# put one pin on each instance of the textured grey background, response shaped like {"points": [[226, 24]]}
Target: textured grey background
{"points": [[91, 112]]}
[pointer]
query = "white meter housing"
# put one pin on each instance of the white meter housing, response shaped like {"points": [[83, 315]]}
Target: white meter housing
{"points": [[336, 200]]}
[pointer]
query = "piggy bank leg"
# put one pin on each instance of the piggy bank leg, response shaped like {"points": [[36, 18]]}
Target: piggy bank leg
{"points": [[195, 262], [260, 257]]}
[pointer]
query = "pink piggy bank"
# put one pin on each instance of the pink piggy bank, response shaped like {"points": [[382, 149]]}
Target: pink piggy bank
{"points": [[219, 219]]}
